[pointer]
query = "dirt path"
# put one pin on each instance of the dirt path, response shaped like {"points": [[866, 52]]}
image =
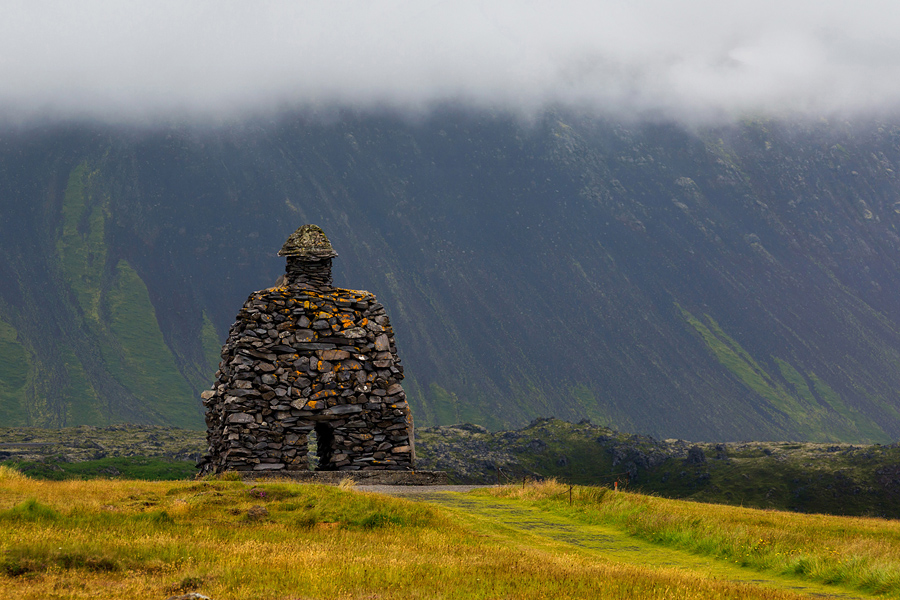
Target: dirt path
{"points": [[519, 523]]}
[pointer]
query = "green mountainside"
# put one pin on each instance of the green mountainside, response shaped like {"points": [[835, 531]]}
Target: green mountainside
{"points": [[727, 283]]}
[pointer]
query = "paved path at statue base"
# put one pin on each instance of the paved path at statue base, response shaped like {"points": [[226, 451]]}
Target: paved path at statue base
{"points": [[359, 477]]}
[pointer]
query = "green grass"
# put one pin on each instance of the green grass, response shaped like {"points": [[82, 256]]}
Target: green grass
{"points": [[122, 467], [13, 359], [140, 358], [856, 553], [115, 305], [444, 404], [738, 361], [81, 401], [861, 426], [310, 505], [269, 540], [29, 510], [796, 380], [81, 245], [798, 410], [16, 370], [212, 345]]}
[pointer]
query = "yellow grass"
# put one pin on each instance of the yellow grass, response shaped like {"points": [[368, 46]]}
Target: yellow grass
{"points": [[861, 553], [89, 539]]}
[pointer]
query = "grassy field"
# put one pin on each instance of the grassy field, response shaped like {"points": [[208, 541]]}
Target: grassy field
{"points": [[229, 539], [119, 467], [862, 554]]}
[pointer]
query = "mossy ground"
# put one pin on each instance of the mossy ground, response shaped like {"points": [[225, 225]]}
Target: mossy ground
{"points": [[120, 467]]}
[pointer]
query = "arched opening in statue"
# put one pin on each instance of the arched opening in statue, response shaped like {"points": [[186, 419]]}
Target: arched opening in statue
{"points": [[320, 447]]}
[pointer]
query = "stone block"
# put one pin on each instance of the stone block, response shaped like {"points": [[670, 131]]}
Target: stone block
{"points": [[240, 418], [333, 355], [344, 409], [268, 466]]}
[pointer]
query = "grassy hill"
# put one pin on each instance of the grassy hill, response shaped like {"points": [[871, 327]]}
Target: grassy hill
{"points": [[227, 539], [728, 283]]}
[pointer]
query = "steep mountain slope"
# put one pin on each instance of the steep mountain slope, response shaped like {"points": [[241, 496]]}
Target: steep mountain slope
{"points": [[717, 284]]}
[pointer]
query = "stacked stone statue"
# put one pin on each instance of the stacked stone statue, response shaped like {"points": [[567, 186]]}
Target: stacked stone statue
{"points": [[307, 360]]}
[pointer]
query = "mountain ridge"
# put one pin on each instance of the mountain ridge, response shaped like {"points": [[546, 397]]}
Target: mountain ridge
{"points": [[729, 283]]}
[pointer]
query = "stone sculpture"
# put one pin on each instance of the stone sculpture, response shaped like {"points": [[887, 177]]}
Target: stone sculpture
{"points": [[307, 360]]}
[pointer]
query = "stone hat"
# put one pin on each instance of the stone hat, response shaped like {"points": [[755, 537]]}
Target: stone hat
{"points": [[310, 242]]}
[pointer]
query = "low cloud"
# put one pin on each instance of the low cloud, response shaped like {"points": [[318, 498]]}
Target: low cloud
{"points": [[162, 59]]}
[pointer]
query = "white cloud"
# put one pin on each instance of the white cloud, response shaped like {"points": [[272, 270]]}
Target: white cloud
{"points": [[201, 58]]}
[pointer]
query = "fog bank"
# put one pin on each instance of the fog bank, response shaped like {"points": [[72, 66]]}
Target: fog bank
{"points": [[134, 61]]}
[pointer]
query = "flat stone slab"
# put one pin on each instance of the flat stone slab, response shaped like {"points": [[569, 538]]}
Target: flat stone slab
{"points": [[359, 477]]}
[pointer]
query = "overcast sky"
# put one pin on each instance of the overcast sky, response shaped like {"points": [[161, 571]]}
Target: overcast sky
{"points": [[154, 59]]}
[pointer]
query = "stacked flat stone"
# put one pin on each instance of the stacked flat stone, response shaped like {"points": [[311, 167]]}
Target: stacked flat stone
{"points": [[306, 357]]}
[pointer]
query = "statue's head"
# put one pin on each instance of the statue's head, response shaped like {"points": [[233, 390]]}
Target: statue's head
{"points": [[308, 242]]}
